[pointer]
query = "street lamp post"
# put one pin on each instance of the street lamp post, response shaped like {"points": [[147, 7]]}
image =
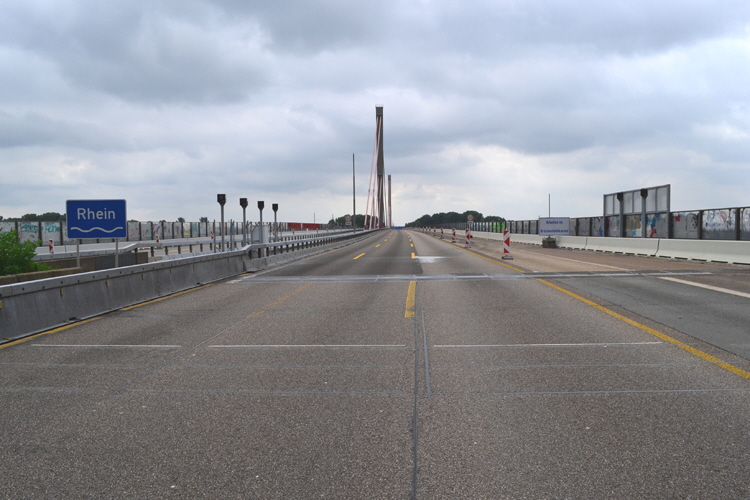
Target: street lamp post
{"points": [[222, 199], [261, 204], [275, 208], [243, 204]]}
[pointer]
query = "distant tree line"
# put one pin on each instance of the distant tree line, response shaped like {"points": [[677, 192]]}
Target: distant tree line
{"points": [[45, 217], [452, 217]]}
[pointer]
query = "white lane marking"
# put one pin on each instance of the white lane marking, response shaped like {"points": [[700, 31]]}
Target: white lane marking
{"points": [[600, 344], [108, 345], [424, 259], [265, 346], [574, 260], [708, 287]]}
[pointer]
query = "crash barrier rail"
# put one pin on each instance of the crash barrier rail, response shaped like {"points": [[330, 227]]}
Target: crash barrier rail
{"points": [[732, 252], [36, 306], [42, 232], [169, 247]]}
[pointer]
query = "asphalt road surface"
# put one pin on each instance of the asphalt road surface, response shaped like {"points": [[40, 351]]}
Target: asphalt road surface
{"points": [[401, 366]]}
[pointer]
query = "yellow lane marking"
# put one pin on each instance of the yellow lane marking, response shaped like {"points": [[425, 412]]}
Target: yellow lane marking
{"points": [[376, 246], [163, 298], [413, 255], [282, 299], [37, 335], [411, 296], [412, 245], [692, 350], [358, 256]]}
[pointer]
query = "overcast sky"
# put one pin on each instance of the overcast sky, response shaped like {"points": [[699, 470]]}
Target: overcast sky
{"points": [[488, 105]]}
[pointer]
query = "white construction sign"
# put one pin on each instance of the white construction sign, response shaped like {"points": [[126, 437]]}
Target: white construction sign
{"points": [[554, 226]]}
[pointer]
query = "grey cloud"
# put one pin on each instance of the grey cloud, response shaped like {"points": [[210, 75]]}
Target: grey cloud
{"points": [[138, 53]]}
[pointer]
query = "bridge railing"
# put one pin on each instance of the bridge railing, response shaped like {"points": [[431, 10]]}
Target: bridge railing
{"points": [[708, 224], [42, 232]]}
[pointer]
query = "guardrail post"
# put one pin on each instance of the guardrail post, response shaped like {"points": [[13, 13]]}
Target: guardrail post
{"points": [[737, 224]]}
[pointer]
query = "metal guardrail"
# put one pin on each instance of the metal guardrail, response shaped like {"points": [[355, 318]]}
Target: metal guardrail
{"points": [[35, 306], [170, 247]]}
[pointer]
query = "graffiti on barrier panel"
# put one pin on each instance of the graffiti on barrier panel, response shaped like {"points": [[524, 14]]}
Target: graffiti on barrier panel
{"points": [[718, 225], [718, 220], [745, 219], [657, 225], [685, 225], [133, 234], [51, 231], [28, 231]]}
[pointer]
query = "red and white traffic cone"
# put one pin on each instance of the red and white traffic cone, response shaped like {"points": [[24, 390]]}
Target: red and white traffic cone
{"points": [[51, 247], [442, 234], [506, 246], [468, 237], [454, 236]]}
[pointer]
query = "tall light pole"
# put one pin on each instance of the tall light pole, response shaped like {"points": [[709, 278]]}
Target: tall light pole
{"points": [[275, 208], [354, 197], [261, 204], [222, 199], [243, 204]]}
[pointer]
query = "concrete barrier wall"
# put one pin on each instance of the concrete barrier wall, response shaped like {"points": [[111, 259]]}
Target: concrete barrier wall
{"points": [[35, 306], [733, 252], [574, 242], [636, 246]]}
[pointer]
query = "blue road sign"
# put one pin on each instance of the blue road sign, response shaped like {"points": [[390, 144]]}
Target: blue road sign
{"points": [[88, 219]]}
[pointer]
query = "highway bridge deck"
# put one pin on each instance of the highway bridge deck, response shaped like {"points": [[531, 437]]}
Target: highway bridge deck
{"points": [[400, 366]]}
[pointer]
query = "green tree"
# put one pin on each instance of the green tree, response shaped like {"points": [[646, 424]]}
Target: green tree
{"points": [[452, 218], [16, 257], [51, 217]]}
